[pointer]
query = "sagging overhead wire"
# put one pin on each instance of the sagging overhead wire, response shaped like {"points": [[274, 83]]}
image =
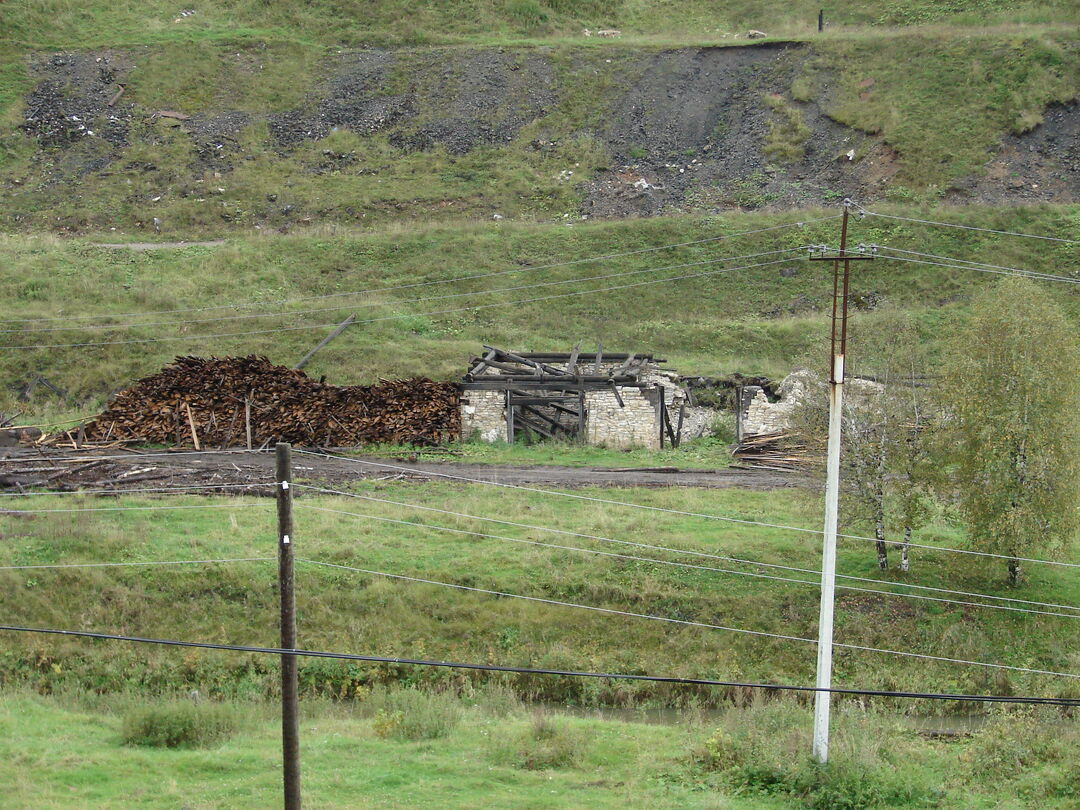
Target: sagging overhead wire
{"points": [[204, 645], [132, 564], [634, 558], [965, 227], [963, 264], [488, 291], [631, 505], [399, 316], [689, 552], [264, 505], [685, 622], [452, 280]]}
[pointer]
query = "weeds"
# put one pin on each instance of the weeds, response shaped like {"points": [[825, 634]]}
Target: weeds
{"points": [[764, 750], [546, 742], [411, 714], [180, 724]]}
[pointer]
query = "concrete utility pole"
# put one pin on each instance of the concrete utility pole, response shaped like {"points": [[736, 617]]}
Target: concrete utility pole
{"points": [[290, 733], [822, 699]]}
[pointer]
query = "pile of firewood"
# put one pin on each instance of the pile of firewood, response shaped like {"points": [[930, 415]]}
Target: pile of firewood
{"points": [[246, 401], [774, 451]]}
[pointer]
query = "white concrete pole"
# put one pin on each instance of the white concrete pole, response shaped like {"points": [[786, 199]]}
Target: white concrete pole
{"points": [[822, 700]]}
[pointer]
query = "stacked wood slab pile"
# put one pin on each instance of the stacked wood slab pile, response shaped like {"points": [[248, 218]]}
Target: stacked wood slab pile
{"points": [[214, 402], [773, 451]]}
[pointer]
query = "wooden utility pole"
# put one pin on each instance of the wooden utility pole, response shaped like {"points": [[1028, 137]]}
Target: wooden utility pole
{"points": [[822, 698], [290, 733]]}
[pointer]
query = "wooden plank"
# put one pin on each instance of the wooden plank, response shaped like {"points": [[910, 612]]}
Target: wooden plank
{"points": [[571, 363], [191, 424], [341, 327], [661, 412], [481, 364], [599, 357], [618, 396], [625, 366], [517, 358], [526, 422], [678, 429], [555, 423]]}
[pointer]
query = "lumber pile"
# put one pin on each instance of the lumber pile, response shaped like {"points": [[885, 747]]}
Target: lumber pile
{"points": [[773, 451], [247, 401]]}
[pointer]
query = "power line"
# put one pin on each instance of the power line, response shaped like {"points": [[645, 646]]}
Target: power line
{"points": [[455, 279], [182, 488], [132, 456], [132, 564], [966, 227], [675, 551], [376, 659], [969, 261], [1022, 273], [686, 622], [134, 508], [684, 513], [472, 308], [489, 291]]}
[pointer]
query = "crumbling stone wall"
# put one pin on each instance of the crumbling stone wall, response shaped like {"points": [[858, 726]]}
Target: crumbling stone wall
{"points": [[637, 424], [759, 416], [484, 415]]}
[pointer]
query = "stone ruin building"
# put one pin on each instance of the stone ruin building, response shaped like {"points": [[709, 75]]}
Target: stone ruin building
{"points": [[603, 398]]}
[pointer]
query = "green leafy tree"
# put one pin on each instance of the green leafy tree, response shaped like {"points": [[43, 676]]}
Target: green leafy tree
{"points": [[1015, 383], [889, 415]]}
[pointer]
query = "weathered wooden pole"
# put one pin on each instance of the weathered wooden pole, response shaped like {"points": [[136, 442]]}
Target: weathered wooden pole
{"points": [[290, 733]]}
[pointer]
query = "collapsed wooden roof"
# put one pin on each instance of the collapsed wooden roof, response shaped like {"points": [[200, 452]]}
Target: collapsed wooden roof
{"points": [[498, 369]]}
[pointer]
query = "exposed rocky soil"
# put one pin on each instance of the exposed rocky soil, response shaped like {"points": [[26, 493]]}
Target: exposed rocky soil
{"points": [[684, 128]]}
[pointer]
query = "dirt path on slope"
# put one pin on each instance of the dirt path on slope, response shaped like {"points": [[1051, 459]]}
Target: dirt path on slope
{"points": [[226, 471]]}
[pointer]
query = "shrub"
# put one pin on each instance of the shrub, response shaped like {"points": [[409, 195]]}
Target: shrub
{"points": [[179, 725], [409, 714], [546, 742], [765, 749]]}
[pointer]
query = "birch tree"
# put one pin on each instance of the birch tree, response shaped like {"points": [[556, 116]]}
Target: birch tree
{"points": [[1015, 386]]}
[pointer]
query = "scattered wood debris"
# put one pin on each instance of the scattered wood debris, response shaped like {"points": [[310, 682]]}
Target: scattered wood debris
{"points": [[773, 451]]}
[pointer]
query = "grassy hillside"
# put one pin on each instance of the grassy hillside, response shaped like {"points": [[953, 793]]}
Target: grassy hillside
{"points": [[757, 320], [345, 610], [285, 134], [60, 23]]}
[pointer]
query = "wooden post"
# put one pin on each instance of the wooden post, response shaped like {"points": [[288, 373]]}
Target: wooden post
{"points": [[581, 426], [191, 424], [821, 20], [247, 420], [663, 412], [290, 733], [341, 327], [509, 419], [678, 430]]}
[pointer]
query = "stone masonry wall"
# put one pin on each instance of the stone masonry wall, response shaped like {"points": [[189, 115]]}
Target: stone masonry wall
{"points": [[635, 425], [484, 415]]}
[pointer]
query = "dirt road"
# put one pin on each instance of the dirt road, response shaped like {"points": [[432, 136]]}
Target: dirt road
{"points": [[23, 468]]}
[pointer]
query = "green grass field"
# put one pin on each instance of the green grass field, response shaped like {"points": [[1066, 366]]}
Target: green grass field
{"points": [[353, 611], [68, 751]]}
